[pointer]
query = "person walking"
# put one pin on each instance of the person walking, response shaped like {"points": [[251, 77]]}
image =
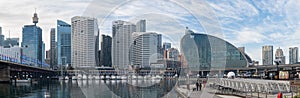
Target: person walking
{"points": [[197, 85], [200, 86]]}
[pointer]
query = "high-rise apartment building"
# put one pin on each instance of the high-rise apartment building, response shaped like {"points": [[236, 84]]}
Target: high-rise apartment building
{"points": [[84, 42], [293, 55], [63, 49], [141, 26], [121, 39], [279, 55], [145, 49], [267, 55]]}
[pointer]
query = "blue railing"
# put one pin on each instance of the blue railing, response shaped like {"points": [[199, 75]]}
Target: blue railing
{"points": [[24, 60]]}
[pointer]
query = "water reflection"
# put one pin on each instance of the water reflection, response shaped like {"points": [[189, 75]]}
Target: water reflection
{"points": [[89, 89]]}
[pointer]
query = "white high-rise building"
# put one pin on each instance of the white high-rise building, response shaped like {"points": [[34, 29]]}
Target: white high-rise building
{"points": [[141, 26], [121, 38], [279, 55], [145, 48], [293, 55], [84, 42], [267, 55]]}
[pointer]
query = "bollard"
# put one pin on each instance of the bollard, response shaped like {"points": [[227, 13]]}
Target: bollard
{"points": [[279, 95]]}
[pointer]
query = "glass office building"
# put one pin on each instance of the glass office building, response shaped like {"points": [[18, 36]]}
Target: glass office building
{"points": [[32, 42], [63, 43], [206, 52]]}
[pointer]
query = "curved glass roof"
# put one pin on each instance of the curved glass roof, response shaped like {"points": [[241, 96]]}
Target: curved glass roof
{"points": [[206, 52]]}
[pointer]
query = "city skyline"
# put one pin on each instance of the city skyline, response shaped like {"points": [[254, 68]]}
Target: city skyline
{"points": [[260, 21]]}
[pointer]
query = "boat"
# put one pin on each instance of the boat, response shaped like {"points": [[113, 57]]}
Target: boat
{"points": [[113, 77], [96, 77], [102, 77], [79, 77], [123, 77], [157, 77], [66, 78], [22, 80], [84, 77], [90, 77], [107, 77], [74, 78]]}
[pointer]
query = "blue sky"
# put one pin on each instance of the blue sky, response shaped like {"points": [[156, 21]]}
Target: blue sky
{"points": [[248, 23]]}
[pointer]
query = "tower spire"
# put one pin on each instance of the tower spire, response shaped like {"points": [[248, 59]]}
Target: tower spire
{"points": [[35, 18]]}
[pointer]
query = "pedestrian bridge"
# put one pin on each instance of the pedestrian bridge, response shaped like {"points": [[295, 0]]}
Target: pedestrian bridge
{"points": [[253, 85]]}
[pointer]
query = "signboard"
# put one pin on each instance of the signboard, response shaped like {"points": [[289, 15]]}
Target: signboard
{"points": [[283, 74]]}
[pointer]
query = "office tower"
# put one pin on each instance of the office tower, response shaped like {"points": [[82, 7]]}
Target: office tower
{"points": [[32, 40], [52, 48], [165, 48], [145, 49], [173, 54], [84, 42], [106, 51], [267, 55], [121, 38], [43, 52], [99, 57], [48, 57], [11, 42], [1, 37], [141, 26], [166, 45], [279, 55], [63, 43], [293, 55]]}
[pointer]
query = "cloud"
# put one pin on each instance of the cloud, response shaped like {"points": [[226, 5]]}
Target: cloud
{"points": [[248, 36]]}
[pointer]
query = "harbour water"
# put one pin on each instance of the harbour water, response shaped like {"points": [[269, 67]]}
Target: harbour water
{"points": [[91, 89]]}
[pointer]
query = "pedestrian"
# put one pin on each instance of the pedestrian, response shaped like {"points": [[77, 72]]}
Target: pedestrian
{"points": [[197, 85], [200, 86]]}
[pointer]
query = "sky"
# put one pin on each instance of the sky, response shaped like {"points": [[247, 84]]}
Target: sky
{"points": [[244, 23]]}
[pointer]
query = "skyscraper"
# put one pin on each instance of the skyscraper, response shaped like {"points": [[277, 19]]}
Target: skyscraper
{"points": [[165, 48], [1, 37], [141, 26], [279, 55], [52, 48], [32, 40], [106, 51], [121, 38], [166, 45], [173, 54], [293, 55], [43, 52], [84, 42], [63, 43], [145, 49], [267, 55]]}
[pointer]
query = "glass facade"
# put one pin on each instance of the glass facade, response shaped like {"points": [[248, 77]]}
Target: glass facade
{"points": [[32, 41], [63, 43], [205, 52]]}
